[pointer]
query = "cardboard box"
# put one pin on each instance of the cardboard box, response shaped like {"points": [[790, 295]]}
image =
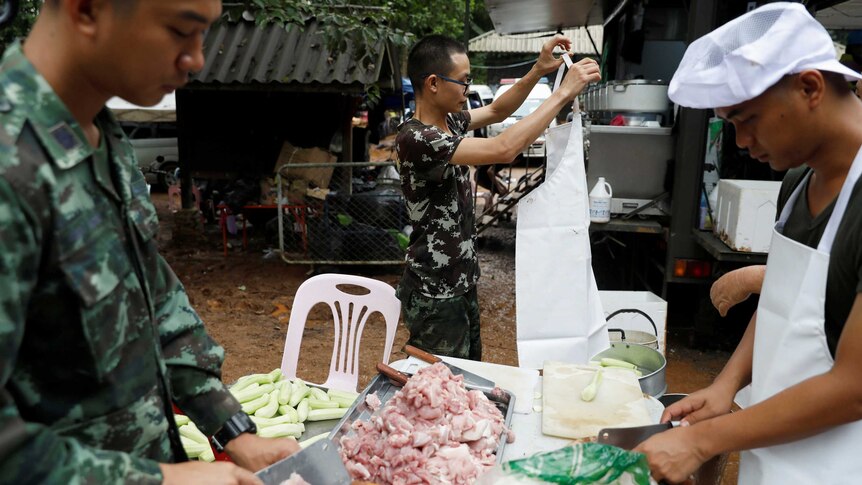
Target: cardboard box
{"points": [[645, 301], [746, 214], [292, 155]]}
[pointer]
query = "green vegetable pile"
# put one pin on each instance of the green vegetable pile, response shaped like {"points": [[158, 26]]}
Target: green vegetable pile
{"points": [[278, 407]]}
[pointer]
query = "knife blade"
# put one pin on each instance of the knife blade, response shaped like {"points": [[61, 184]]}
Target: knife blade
{"points": [[320, 463], [470, 378], [629, 438]]}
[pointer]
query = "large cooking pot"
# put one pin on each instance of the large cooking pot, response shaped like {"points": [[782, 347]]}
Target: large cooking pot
{"points": [[649, 361], [636, 95]]}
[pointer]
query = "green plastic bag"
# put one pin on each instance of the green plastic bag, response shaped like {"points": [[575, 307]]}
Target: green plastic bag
{"points": [[582, 464]]}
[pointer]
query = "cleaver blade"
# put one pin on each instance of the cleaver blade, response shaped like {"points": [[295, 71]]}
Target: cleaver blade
{"points": [[319, 464], [629, 438]]}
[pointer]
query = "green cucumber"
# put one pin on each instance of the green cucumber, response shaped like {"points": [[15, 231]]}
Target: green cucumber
{"points": [[325, 414], [589, 392]]}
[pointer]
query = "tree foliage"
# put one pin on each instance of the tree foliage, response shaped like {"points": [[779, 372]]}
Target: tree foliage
{"points": [[398, 21], [20, 27]]}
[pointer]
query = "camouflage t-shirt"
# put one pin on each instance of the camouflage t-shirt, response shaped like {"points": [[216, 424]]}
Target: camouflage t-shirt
{"points": [[441, 259], [97, 336]]}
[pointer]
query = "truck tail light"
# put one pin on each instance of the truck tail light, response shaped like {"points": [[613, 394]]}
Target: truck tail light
{"points": [[692, 268]]}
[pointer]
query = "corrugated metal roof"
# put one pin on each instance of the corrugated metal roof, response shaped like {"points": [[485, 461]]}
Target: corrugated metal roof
{"points": [[844, 15], [532, 43], [243, 53]]}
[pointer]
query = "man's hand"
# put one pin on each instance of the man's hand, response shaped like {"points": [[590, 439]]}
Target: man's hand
{"points": [[253, 453], [735, 287], [546, 62], [199, 472], [673, 455], [700, 405], [579, 76]]}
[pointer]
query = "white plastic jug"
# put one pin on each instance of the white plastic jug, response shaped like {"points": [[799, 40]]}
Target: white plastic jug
{"points": [[600, 201]]}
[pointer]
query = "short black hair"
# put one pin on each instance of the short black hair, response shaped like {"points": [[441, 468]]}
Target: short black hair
{"points": [[834, 80], [431, 55], [838, 82], [122, 5]]}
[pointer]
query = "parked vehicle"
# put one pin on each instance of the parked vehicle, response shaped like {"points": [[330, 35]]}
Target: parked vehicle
{"points": [[152, 131], [537, 96], [474, 100], [156, 150], [484, 92]]}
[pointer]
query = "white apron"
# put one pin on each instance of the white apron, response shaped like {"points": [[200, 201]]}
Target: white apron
{"points": [[559, 313], [790, 346]]}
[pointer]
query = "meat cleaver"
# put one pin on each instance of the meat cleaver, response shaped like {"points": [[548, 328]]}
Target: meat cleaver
{"points": [[629, 438], [319, 464], [470, 378]]}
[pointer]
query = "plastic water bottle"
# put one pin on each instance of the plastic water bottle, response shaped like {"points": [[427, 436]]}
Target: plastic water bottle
{"points": [[600, 201]]}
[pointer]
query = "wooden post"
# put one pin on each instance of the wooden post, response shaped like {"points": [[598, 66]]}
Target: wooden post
{"points": [[347, 144]]}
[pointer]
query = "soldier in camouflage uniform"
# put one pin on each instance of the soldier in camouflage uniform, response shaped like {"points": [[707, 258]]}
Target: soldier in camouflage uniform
{"points": [[97, 336], [438, 289]]}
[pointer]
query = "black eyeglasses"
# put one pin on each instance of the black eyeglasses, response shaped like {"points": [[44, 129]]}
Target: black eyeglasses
{"points": [[455, 81]]}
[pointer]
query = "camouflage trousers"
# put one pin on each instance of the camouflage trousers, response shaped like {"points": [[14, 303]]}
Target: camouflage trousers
{"points": [[443, 326]]}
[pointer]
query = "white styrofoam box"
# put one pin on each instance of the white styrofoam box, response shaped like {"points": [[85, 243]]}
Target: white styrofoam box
{"points": [[645, 301], [746, 213]]}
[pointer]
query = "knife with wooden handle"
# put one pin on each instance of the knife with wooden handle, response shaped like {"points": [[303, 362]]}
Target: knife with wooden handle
{"points": [[470, 378], [398, 377]]}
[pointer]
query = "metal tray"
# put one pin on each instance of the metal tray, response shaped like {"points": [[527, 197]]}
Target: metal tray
{"points": [[385, 389]]}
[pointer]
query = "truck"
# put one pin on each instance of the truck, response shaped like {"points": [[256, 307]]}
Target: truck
{"points": [[659, 244], [152, 131]]}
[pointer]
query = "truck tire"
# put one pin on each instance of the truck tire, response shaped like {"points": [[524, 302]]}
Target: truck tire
{"points": [[169, 177]]}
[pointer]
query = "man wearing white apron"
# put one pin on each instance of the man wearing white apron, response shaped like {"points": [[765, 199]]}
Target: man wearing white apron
{"points": [[773, 74]]}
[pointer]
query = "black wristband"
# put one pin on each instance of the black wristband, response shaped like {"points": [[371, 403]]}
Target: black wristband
{"points": [[236, 425]]}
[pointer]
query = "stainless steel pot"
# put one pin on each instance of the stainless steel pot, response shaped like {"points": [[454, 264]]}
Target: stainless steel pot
{"points": [[634, 336], [637, 95], [649, 361]]}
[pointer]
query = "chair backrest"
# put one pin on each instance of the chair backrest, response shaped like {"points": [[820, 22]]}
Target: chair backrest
{"points": [[349, 312]]}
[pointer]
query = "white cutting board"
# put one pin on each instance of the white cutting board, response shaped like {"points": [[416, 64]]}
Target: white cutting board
{"points": [[519, 381], [618, 403]]}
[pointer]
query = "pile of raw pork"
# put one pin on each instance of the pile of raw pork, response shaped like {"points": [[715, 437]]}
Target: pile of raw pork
{"points": [[432, 431]]}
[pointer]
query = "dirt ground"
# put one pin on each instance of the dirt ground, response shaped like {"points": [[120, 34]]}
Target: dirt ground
{"points": [[246, 297]]}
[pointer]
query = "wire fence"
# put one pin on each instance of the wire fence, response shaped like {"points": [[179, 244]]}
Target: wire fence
{"points": [[366, 223]]}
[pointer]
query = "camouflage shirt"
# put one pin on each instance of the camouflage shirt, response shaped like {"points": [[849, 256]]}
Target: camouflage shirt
{"points": [[97, 335], [441, 259]]}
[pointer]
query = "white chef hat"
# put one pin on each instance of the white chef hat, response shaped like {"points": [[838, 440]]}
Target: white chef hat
{"points": [[744, 57]]}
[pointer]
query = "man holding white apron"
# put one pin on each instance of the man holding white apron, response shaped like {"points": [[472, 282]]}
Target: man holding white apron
{"points": [[773, 74]]}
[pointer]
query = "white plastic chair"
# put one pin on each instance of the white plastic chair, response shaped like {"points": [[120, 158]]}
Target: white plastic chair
{"points": [[350, 312]]}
